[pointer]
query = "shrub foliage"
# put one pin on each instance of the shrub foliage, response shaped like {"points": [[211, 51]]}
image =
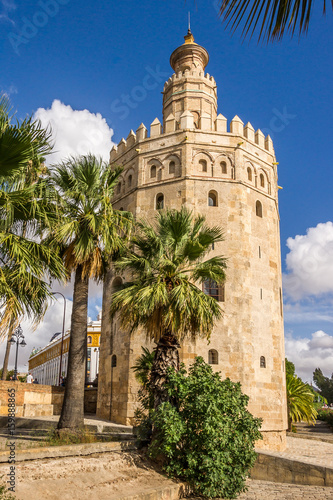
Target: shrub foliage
{"points": [[205, 434]]}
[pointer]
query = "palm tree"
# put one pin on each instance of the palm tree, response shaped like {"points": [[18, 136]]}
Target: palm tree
{"points": [[26, 208], [165, 265], [300, 401], [271, 17], [88, 232]]}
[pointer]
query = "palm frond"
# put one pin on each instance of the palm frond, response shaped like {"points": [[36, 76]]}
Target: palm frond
{"points": [[164, 266], [271, 18]]}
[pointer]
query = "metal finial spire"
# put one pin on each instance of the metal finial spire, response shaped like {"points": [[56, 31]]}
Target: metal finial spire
{"points": [[189, 22]]}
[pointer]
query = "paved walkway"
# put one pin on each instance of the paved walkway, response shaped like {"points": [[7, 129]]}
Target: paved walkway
{"points": [[265, 490]]}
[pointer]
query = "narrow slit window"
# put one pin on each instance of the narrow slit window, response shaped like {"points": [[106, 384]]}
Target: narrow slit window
{"points": [[172, 167], [223, 167], [249, 174], [129, 181], [258, 209], [259, 252], [153, 171], [262, 362], [262, 180]]}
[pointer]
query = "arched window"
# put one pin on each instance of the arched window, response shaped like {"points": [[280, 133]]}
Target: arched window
{"points": [[262, 180], [203, 164], [159, 201], [262, 362], [258, 209], [116, 284], [211, 288], [89, 339], [223, 167], [249, 174], [118, 187], [153, 171], [213, 357], [212, 199], [129, 181], [172, 167], [113, 361]]}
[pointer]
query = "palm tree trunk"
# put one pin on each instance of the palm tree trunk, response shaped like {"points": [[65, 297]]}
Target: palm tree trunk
{"points": [[166, 356], [72, 413]]}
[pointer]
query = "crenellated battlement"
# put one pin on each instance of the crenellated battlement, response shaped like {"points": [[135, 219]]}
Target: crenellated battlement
{"points": [[188, 73], [236, 128]]}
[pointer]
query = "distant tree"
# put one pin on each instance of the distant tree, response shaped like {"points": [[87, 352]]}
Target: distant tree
{"points": [[271, 18], [290, 367], [300, 401], [324, 384]]}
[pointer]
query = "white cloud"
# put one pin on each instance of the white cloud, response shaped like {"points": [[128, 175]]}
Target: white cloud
{"points": [[310, 353], [75, 132], [310, 263]]}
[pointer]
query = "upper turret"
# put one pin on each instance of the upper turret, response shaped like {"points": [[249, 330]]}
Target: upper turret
{"points": [[189, 89], [189, 55]]}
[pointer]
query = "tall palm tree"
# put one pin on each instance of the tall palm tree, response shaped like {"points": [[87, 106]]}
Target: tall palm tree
{"points": [[26, 208], [300, 401], [88, 232], [165, 265], [272, 18]]}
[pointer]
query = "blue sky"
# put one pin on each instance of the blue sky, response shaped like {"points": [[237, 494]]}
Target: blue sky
{"points": [[94, 55]]}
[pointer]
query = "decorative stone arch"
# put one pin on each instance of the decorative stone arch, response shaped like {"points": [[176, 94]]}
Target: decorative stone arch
{"points": [[223, 167], [154, 162], [263, 180], [176, 170], [120, 185], [129, 179], [251, 173], [200, 159]]}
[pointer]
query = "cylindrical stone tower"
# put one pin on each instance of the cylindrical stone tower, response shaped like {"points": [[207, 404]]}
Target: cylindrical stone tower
{"points": [[230, 176]]}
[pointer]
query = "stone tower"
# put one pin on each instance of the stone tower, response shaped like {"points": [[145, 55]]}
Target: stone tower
{"points": [[230, 176]]}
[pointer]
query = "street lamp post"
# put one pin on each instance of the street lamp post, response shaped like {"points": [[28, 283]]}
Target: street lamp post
{"points": [[18, 339], [62, 333]]}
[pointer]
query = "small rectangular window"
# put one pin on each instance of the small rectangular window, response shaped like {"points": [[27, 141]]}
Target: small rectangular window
{"points": [[259, 252], [211, 288]]}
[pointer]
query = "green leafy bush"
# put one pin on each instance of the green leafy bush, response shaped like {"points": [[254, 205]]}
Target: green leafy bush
{"points": [[207, 436], [326, 414]]}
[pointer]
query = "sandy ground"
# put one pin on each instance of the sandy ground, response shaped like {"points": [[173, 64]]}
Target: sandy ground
{"points": [[111, 476], [104, 476]]}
